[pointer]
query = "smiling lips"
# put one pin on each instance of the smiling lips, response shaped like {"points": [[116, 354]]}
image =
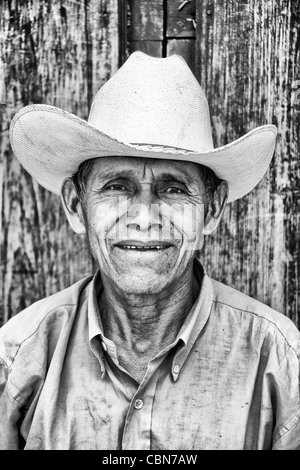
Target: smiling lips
{"points": [[153, 245]]}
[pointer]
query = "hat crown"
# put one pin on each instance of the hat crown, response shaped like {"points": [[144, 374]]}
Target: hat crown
{"points": [[154, 101]]}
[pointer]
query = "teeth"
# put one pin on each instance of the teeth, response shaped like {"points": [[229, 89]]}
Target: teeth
{"points": [[134, 247]]}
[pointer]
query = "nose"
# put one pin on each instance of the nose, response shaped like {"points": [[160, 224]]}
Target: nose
{"points": [[144, 211]]}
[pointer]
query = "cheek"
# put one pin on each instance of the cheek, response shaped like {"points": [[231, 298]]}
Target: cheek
{"points": [[188, 222], [101, 219], [104, 219]]}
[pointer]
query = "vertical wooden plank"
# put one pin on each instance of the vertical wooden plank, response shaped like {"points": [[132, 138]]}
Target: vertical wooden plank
{"points": [[56, 52], [146, 20], [123, 23], [183, 47], [181, 16], [152, 48], [181, 29], [247, 56], [146, 30]]}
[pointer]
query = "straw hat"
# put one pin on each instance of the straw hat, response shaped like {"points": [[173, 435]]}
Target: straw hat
{"points": [[151, 108]]}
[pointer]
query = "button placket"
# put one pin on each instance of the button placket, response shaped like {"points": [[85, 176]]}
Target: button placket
{"points": [[137, 429]]}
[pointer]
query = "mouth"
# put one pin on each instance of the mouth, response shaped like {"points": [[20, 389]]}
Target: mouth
{"points": [[133, 245]]}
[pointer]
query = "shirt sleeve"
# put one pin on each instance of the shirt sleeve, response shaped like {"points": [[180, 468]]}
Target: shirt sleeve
{"points": [[10, 413], [290, 439], [287, 432]]}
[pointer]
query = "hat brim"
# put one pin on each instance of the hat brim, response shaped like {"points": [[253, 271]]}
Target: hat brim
{"points": [[51, 143]]}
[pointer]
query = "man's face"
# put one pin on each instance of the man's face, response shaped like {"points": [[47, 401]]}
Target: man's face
{"points": [[144, 220]]}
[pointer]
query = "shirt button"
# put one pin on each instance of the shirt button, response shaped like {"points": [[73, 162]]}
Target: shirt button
{"points": [[176, 369], [104, 346], [138, 404]]}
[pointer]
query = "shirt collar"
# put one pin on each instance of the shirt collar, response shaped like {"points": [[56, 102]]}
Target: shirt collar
{"points": [[94, 318], [188, 333]]}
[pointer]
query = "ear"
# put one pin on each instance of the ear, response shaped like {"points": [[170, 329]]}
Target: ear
{"points": [[72, 206], [216, 208]]}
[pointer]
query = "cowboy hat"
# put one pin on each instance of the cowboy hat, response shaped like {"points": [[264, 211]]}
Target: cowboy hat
{"points": [[150, 108]]}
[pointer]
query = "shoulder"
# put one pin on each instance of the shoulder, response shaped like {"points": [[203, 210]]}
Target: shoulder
{"points": [[39, 319], [247, 310]]}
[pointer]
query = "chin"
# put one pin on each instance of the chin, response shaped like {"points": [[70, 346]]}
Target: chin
{"points": [[142, 285]]}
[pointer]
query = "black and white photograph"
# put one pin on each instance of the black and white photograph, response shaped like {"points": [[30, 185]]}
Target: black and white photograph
{"points": [[150, 227]]}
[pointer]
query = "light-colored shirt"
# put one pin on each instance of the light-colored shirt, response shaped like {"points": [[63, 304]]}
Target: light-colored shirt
{"points": [[230, 380]]}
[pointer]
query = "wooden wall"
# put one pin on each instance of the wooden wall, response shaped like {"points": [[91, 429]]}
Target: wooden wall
{"points": [[159, 28], [56, 52], [246, 57]]}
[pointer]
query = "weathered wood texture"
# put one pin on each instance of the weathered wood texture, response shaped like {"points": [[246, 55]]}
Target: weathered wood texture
{"points": [[146, 26], [180, 17], [56, 52], [247, 60], [180, 29], [161, 28], [246, 57], [183, 47]]}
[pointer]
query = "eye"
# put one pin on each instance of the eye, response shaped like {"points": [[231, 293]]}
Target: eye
{"points": [[119, 185], [174, 190], [116, 187]]}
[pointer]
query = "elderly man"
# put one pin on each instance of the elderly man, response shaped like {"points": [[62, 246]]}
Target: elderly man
{"points": [[149, 353]]}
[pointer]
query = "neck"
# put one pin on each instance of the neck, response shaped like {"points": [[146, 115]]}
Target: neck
{"points": [[142, 325]]}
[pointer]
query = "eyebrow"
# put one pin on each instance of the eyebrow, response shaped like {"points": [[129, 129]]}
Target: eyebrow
{"points": [[113, 174], [183, 177]]}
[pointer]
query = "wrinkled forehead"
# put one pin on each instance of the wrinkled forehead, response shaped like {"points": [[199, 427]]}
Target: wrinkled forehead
{"points": [[145, 168]]}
